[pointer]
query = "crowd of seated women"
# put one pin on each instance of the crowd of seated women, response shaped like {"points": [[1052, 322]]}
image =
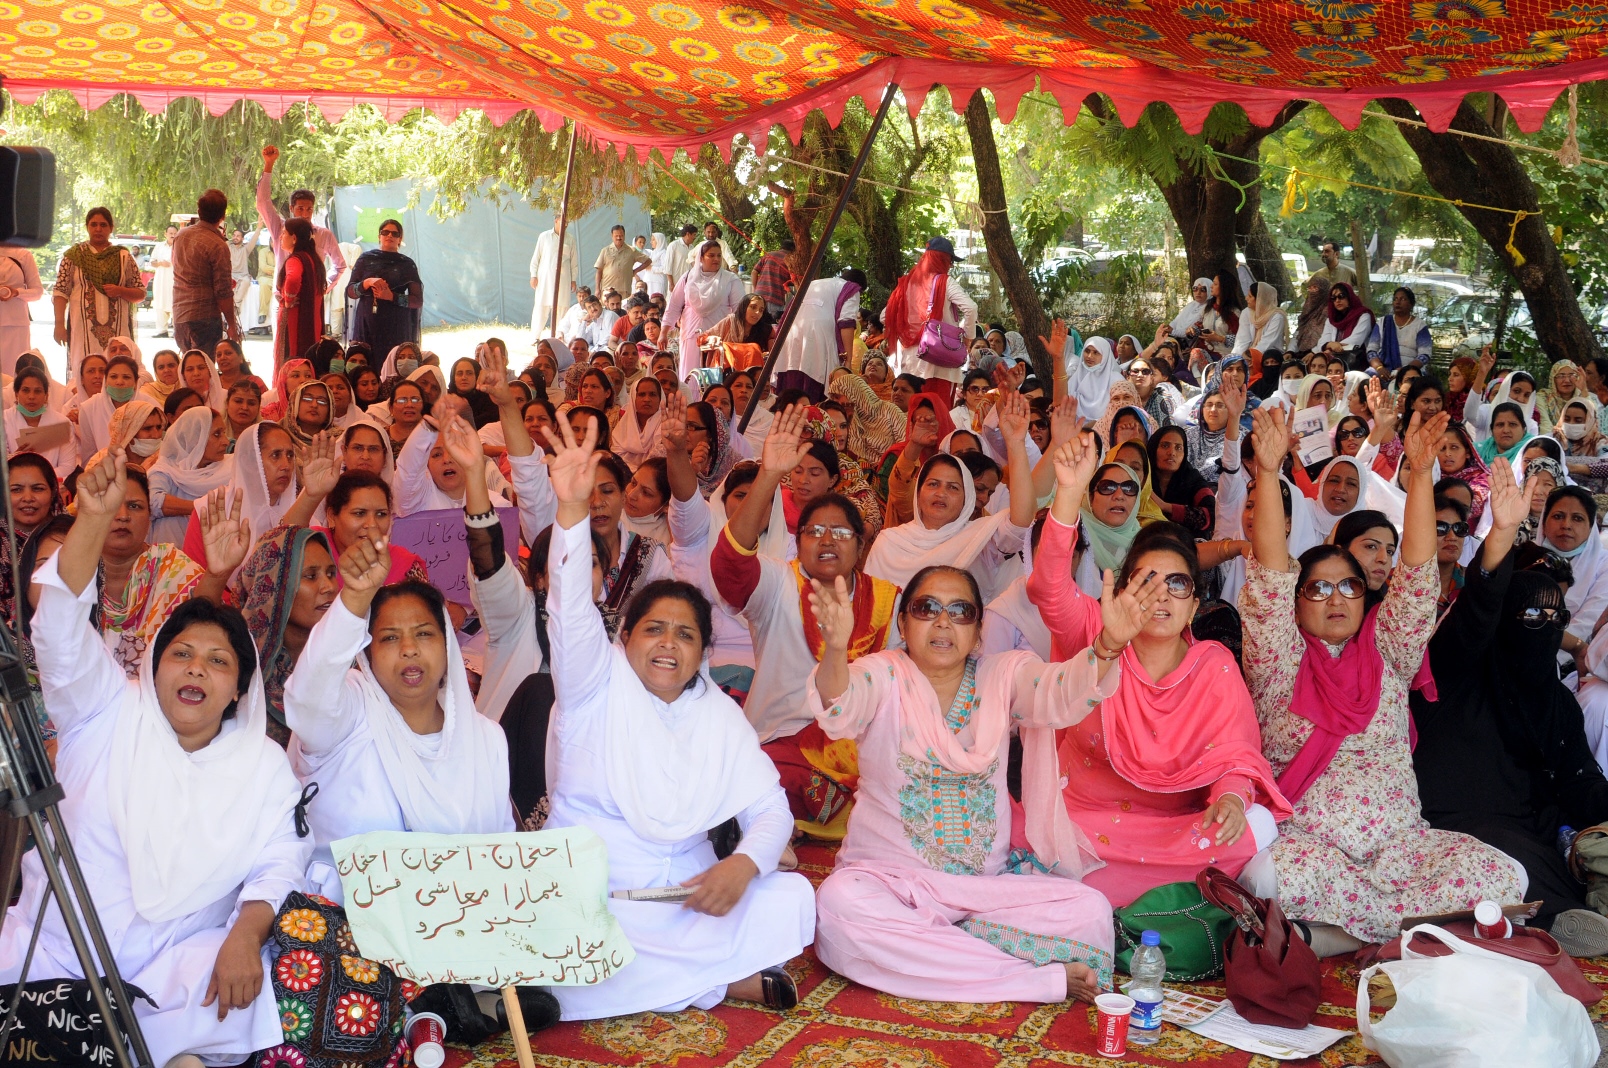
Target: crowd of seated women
{"points": [[1351, 677]]}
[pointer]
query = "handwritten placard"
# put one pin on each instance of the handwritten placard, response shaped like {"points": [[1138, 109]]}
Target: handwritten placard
{"points": [[521, 909], [440, 539]]}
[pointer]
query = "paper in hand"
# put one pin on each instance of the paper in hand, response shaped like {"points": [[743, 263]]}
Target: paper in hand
{"points": [[1310, 428]]}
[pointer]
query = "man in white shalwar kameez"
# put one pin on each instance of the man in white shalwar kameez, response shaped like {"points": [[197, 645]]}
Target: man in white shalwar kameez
{"points": [[545, 275], [180, 807], [652, 777]]}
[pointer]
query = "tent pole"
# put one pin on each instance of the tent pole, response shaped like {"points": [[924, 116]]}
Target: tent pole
{"points": [[563, 224], [818, 256]]}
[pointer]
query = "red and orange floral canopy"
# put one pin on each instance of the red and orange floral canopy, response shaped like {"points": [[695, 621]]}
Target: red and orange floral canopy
{"points": [[662, 74]]}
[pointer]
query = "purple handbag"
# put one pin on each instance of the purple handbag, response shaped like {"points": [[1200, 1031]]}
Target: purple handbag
{"points": [[942, 344]]}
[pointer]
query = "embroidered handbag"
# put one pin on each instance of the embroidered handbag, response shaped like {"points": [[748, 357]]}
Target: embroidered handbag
{"points": [[1273, 975], [1193, 931], [942, 344]]}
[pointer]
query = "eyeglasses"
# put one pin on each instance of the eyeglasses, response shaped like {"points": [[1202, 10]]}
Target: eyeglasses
{"points": [[1144, 372], [321, 402], [1179, 585], [1443, 528], [821, 530], [1356, 433], [407, 400], [1106, 487], [926, 609], [1323, 589], [390, 233], [1539, 618], [976, 389], [698, 427]]}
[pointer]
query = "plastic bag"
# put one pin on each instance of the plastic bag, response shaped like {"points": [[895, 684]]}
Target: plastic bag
{"points": [[1474, 1009]]}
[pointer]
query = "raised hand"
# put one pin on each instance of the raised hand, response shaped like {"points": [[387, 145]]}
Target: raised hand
{"points": [[364, 567], [673, 421], [1270, 438], [1487, 360], [319, 472], [834, 612], [1423, 441], [1508, 504], [1055, 344], [1014, 412], [1123, 615], [1076, 461], [1233, 394], [494, 376], [785, 447], [1378, 399], [102, 486], [225, 536], [1064, 421], [270, 156], [462, 444], [573, 467]]}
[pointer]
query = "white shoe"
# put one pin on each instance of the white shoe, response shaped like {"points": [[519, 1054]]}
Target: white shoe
{"points": [[1581, 932]]}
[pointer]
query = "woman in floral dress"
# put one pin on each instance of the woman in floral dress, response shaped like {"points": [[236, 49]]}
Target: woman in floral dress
{"points": [[1330, 677]]}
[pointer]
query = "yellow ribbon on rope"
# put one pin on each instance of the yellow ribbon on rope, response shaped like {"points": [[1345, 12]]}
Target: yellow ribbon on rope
{"points": [[1292, 186]]}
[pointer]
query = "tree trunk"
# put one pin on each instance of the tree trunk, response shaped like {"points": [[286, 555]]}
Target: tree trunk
{"points": [[1486, 173], [1359, 263], [1003, 256], [1262, 254]]}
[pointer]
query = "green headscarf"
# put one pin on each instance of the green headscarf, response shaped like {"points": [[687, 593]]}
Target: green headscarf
{"points": [[1110, 544]]}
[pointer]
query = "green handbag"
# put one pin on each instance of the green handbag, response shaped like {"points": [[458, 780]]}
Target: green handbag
{"points": [[1194, 932]]}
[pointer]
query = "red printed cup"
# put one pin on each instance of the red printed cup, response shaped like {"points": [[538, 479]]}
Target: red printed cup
{"points": [[1489, 921], [426, 1031], [1111, 1029]]}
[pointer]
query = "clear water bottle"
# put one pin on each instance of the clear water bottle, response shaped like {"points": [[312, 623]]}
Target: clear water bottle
{"points": [[1148, 968]]}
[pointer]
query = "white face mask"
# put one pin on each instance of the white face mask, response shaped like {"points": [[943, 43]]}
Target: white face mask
{"points": [[1290, 387], [144, 446], [1574, 431], [406, 367]]}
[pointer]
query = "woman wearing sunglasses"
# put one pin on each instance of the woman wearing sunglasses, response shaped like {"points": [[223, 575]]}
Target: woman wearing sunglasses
{"points": [[1170, 775], [1330, 677], [919, 905], [1503, 754]]}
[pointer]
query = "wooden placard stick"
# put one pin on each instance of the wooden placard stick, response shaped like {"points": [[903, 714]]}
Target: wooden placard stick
{"points": [[516, 1027]]}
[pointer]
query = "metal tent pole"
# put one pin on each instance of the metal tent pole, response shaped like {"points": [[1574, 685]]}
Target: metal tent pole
{"points": [[819, 255]]}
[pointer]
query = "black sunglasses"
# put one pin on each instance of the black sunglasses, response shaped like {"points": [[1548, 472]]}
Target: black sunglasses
{"points": [[1356, 433], [1106, 487], [1443, 528], [926, 609], [1323, 589], [1537, 618], [390, 233], [1179, 585]]}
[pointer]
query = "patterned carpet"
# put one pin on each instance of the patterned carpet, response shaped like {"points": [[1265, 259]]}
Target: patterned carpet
{"points": [[839, 1024]]}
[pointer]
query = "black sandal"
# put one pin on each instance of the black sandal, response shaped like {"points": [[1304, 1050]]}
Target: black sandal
{"points": [[539, 1008], [781, 993], [456, 1004]]}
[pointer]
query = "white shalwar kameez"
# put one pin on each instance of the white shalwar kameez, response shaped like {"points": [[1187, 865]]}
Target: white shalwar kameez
{"points": [[651, 780], [373, 772], [545, 272], [211, 830]]}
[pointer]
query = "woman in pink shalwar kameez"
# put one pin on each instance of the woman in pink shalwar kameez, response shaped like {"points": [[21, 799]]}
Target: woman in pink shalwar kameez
{"points": [[1167, 776], [921, 904]]}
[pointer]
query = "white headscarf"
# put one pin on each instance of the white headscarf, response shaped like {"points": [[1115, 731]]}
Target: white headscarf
{"points": [[193, 825], [454, 782], [388, 466], [56, 394], [181, 453], [125, 425], [1264, 302], [413, 481], [247, 479], [1190, 313], [215, 397], [1091, 386], [633, 443], [661, 760], [899, 552], [1322, 520]]}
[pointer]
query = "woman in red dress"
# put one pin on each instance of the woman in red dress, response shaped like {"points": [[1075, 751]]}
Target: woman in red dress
{"points": [[300, 288]]}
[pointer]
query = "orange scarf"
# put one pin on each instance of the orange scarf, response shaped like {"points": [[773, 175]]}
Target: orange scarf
{"points": [[874, 601]]}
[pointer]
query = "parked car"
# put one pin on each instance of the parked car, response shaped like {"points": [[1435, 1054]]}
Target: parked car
{"points": [[1467, 323]]}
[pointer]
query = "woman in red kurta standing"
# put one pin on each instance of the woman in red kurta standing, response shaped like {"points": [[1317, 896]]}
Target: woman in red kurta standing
{"points": [[300, 288]]}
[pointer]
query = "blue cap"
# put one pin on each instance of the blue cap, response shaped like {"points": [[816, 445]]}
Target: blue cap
{"points": [[941, 244], [1151, 938]]}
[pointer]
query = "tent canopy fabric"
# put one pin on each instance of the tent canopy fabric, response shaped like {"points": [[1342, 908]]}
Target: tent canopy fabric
{"points": [[644, 74]]}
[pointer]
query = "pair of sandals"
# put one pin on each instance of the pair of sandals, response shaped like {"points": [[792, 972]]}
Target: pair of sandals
{"points": [[467, 1025]]}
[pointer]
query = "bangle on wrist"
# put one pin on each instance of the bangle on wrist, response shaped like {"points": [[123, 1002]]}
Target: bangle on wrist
{"points": [[1098, 646]]}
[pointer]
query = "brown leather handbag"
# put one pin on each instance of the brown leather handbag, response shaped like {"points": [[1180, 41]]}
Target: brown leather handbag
{"points": [[1272, 974], [1527, 944]]}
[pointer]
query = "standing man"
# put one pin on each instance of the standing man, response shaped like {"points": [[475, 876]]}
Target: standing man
{"points": [[265, 287], [302, 203], [240, 247], [1333, 269], [773, 277], [546, 273], [682, 255], [822, 334], [162, 281], [203, 279], [712, 233], [617, 263]]}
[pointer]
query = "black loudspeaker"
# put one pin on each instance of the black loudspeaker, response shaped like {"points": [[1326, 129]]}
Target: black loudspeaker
{"points": [[27, 196]]}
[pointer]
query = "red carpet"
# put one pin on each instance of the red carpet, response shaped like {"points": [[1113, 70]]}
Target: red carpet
{"points": [[839, 1024]]}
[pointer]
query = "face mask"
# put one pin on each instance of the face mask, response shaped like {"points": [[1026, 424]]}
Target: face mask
{"points": [[1574, 431], [120, 394], [406, 367], [1290, 387], [337, 367], [144, 446], [31, 413]]}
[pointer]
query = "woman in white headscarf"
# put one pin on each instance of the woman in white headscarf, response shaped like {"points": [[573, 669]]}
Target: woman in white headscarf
{"points": [[705, 295], [659, 268], [427, 476], [35, 410], [1262, 325], [193, 461], [181, 807], [1200, 294], [1089, 380]]}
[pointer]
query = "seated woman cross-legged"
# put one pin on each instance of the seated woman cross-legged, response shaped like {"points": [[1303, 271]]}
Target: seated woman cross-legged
{"points": [[1330, 678], [1167, 776], [647, 752], [181, 808], [920, 904]]}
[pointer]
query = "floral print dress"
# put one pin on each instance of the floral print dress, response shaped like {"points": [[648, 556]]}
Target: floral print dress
{"points": [[1357, 853]]}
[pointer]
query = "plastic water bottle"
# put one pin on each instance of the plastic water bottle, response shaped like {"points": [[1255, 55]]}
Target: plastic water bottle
{"points": [[1148, 968]]}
